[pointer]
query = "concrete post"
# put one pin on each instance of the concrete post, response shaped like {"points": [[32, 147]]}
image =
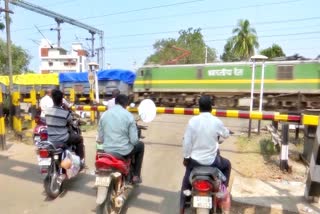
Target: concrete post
{"points": [[313, 181], [284, 147], [309, 139]]}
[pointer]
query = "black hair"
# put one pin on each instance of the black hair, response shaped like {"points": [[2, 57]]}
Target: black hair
{"points": [[115, 93], [205, 103], [57, 97], [122, 100]]}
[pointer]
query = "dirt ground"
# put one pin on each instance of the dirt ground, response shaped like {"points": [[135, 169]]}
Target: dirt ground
{"points": [[258, 158]]}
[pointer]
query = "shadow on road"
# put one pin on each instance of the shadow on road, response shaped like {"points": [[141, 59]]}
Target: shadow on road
{"points": [[147, 198], [30, 172], [167, 201]]}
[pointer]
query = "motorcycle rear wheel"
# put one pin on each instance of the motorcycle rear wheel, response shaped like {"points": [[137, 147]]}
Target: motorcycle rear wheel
{"points": [[51, 185], [108, 206]]}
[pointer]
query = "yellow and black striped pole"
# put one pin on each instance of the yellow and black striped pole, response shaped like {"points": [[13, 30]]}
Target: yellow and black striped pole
{"points": [[3, 145], [303, 119], [17, 122]]}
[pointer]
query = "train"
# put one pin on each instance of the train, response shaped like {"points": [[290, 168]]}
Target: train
{"points": [[288, 84]]}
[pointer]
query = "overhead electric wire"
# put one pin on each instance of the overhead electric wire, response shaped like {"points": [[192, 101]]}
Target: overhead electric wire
{"points": [[124, 12], [206, 11], [143, 9], [169, 5], [213, 27], [215, 40]]}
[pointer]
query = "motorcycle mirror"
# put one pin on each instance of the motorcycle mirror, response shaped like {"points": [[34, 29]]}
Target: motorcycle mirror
{"points": [[147, 110]]}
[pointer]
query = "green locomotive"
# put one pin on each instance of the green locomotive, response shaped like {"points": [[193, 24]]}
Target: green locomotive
{"points": [[287, 84]]}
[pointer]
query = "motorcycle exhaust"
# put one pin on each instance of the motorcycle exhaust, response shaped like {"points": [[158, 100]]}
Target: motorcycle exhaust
{"points": [[119, 201]]}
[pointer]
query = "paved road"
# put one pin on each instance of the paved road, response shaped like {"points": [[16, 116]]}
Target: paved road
{"points": [[21, 184]]}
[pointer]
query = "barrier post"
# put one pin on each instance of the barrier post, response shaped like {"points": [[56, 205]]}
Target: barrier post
{"points": [[72, 95], [33, 98], [312, 190], [3, 145], [92, 113], [284, 155], [309, 139], [17, 122]]}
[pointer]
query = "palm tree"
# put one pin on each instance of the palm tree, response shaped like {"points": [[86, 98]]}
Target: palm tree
{"points": [[245, 40]]}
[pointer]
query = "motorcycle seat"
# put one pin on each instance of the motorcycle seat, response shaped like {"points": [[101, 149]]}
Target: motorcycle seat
{"points": [[202, 171], [114, 154]]}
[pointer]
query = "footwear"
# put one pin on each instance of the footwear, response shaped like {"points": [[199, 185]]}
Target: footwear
{"points": [[136, 180]]}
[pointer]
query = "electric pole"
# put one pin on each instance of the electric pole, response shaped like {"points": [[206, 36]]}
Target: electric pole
{"points": [[9, 62]]}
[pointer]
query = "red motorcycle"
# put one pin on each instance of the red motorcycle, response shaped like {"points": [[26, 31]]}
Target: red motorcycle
{"points": [[114, 173]]}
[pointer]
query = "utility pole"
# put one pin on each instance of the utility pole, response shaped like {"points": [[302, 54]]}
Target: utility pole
{"points": [[92, 42], [206, 59], [58, 29], [9, 62]]}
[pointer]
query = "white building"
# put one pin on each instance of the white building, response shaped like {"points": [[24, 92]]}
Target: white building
{"points": [[56, 60]]}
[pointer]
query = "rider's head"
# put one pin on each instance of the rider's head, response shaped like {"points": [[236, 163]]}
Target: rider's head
{"points": [[115, 93], [122, 100], [49, 92], [205, 103], [57, 97]]}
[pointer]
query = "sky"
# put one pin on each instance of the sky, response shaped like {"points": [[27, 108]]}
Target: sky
{"points": [[132, 27]]}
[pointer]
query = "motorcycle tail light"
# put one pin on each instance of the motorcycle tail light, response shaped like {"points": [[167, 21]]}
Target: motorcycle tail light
{"points": [[202, 185], [43, 135], [43, 153]]}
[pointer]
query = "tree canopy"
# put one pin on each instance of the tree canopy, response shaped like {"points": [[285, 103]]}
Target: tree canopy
{"points": [[242, 44], [273, 51], [191, 40], [20, 59]]}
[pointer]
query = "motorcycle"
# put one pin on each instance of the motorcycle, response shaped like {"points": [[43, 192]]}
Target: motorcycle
{"points": [[114, 173], [58, 162], [208, 193]]}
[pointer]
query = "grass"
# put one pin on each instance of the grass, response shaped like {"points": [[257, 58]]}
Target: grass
{"points": [[258, 144]]}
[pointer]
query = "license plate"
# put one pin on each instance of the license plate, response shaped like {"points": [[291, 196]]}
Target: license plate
{"points": [[44, 161], [103, 181], [202, 202]]}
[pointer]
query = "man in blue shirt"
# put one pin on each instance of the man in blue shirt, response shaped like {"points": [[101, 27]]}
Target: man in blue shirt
{"points": [[118, 132]]}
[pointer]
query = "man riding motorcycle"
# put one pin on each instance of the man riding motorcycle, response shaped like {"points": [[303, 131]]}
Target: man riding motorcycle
{"points": [[201, 146], [118, 132], [58, 122]]}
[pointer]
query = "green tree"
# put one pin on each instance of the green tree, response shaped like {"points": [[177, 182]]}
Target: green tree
{"points": [[20, 58], [244, 41], [273, 51], [191, 40], [228, 54]]}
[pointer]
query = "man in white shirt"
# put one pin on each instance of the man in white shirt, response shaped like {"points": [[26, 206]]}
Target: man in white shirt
{"points": [[46, 102], [201, 144]]}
